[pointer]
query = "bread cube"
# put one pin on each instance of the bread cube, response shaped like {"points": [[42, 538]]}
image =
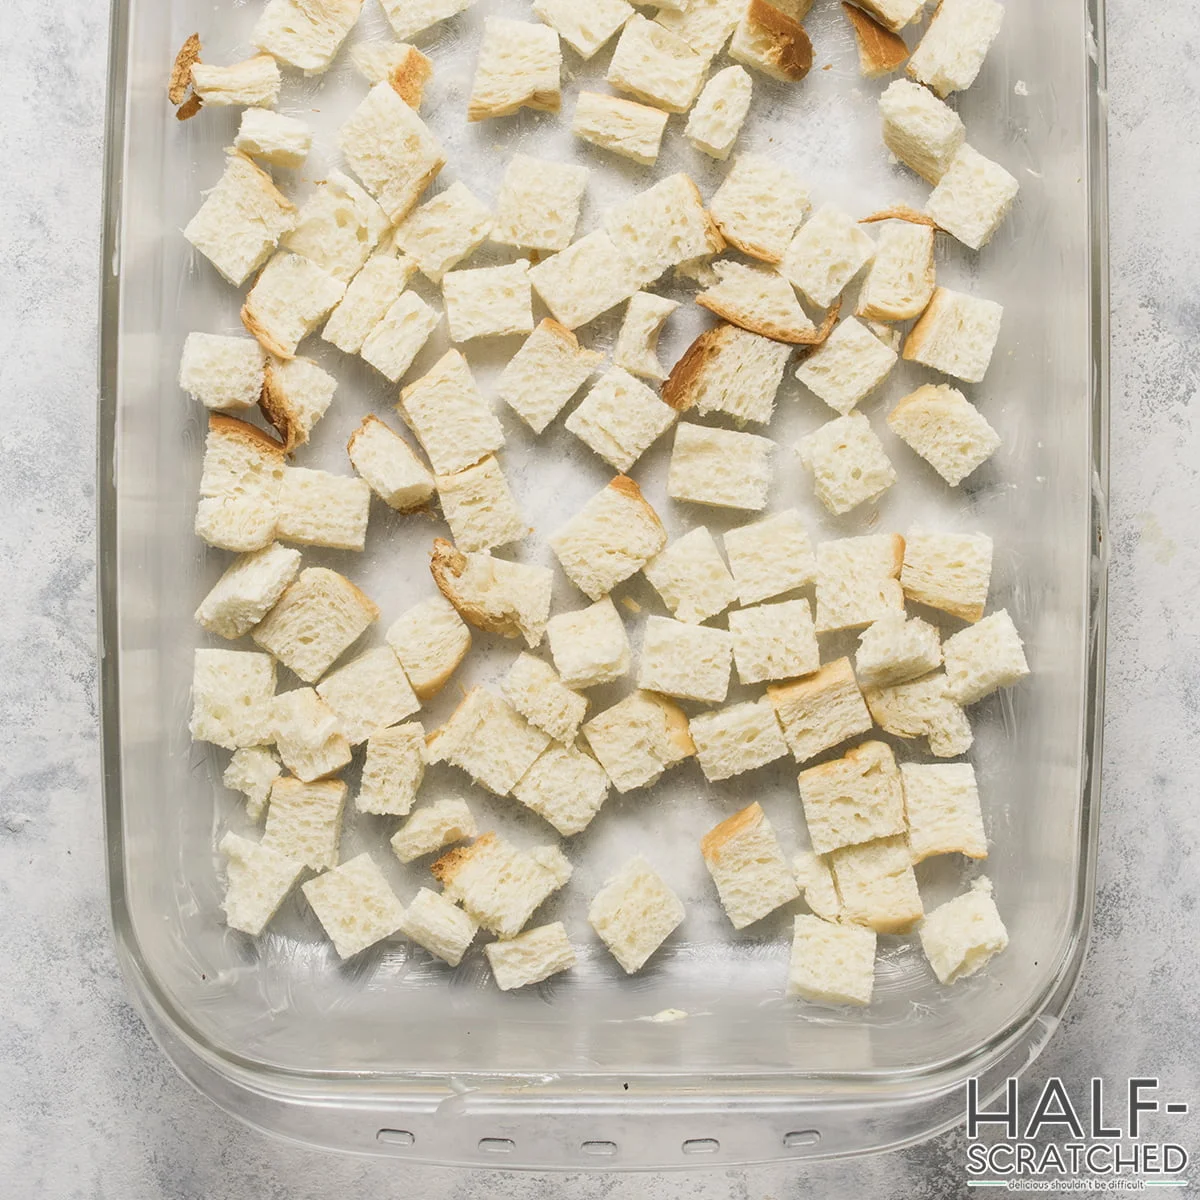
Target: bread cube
{"points": [[880, 52], [704, 24], [634, 913], [962, 935], [770, 41], [232, 693], [944, 816], [511, 599], [690, 661], [565, 786], [770, 557], [620, 418], [758, 206], [637, 343], [900, 283], [397, 339], [945, 429], [924, 708], [401, 65], [530, 957], [972, 198], [638, 738], [858, 581], [691, 577], [337, 227], [488, 301], [738, 738], [720, 468], [825, 255], [746, 863], [539, 202], [239, 486], [877, 886], [590, 646], [956, 335], [728, 370], [852, 799], [368, 694], [816, 885], [443, 231], [439, 926], [585, 27], [847, 367], [919, 129], [480, 508], [304, 821], [831, 963], [430, 640], [534, 689], [258, 881], [949, 56], [393, 770], [289, 299], [518, 67], [625, 127], [308, 735], [408, 17], [296, 394], [367, 301], [254, 81], [654, 65], [848, 463], [317, 508], [820, 711], [948, 571], [252, 770], [432, 827], [894, 15], [982, 658], [717, 116], [454, 424], [545, 373], [276, 139], [355, 905], [758, 300], [774, 641], [894, 650], [222, 372], [559, 280], [305, 34], [248, 590], [388, 466]]}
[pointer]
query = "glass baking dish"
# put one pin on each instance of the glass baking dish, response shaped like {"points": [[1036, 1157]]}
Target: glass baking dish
{"points": [[699, 1059]]}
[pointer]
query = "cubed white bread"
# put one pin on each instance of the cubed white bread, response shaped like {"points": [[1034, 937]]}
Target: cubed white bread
{"points": [[620, 418], [480, 508], [315, 621], [880, 51], [972, 198], [248, 590], [430, 640], [944, 815], [852, 799], [816, 885], [508, 598], [369, 296], [948, 571], [388, 466], [534, 689], [443, 231], [337, 227], [397, 63], [950, 55], [877, 886], [774, 641], [717, 116], [820, 711], [317, 508], [258, 880], [900, 283], [565, 786], [306, 33], [759, 300], [655, 65], [585, 280], [625, 127], [746, 863], [770, 557], [922, 707], [252, 770], [704, 24], [289, 299], [858, 580], [222, 372], [397, 339], [956, 335], [518, 67], [232, 694], [894, 14], [241, 220], [369, 693], [831, 963], [539, 202], [304, 820], [922, 131], [499, 885], [945, 429], [254, 81], [391, 150], [889, 336], [308, 735], [637, 343], [634, 913], [691, 577], [611, 538], [545, 373], [393, 770], [962, 935], [848, 463], [432, 827], [737, 738], [296, 394], [590, 646], [689, 661], [489, 739], [439, 926], [407, 17], [530, 957], [585, 25], [758, 206], [488, 301], [825, 255], [719, 467], [638, 738], [984, 657], [769, 40], [454, 424], [894, 650], [728, 370], [355, 905]]}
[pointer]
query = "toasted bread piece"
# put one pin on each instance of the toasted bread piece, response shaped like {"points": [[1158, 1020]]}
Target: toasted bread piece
{"points": [[389, 466], [945, 429], [296, 394], [737, 738], [625, 127], [585, 25], [688, 661], [258, 881], [758, 206], [728, 370], [770, 557], [853, 799], [545, 373], [831, 963], [252, 770], [719, 467], [919, 129], [480, 508], [948, 571], [355, 905], [408, 17], [308, 735], [827, 253], [821, 710], [430, 640], [181, 69], [273, 138], [590, 647], [289, 299], [254, 82], [894, 650], [774, 641], [239, 486], [962, 935], [858, 581], [638, 738], [508, 598], [539, 202], [637, 343], [232, 694], [432, 827], [972, 198], [248, 590], [337, 227], [746, 863], [222, 372], [717, 116], [306, 34], [656, 66], [950, 55], [530, 957], [691, 577], [758, 300], [397, 63], [770, 41], [901, 280], [876, 885], [304, 821], [944, 816], [880, 51], [439, 926], [565, 786], [367, 299], [634, 913], [922, 707], [620, 418], [983, 657], [393, 770], [518, 67], [848, 463]]}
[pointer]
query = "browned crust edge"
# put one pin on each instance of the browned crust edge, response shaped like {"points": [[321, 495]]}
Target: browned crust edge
{"points": [[792, 53], [233, 427], [715, 840], [880, 51], [679, 387], [409, 78], [448, 866], [181, 71], [901, 212]]}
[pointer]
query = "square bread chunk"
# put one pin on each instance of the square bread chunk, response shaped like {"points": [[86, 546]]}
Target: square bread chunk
{"points": [[956, 335], [770, 557], [398, 338], [248, 590], [584, 26], [508, 598], [922, 707], [239, 486], [306, 34], [948, 571], [308, 735], [355, 905], [768, 39], [637, 343], [848, 463], [973, 197], [949, 56], [253, 81], [922, 131], [488, 301], [232, 693], [296, 395], [408, 17], [252, 770], [388, 465], [531, 957], [738, 738], [704, 24], [304, 821], [816, 885], [317, 508], [852, 799], [620, 418], [831, 963], [774, 641], [820, 711], [367, 300], [654, 65], [534, 689], [625, 127], [337, 227], [759, 205], [439, 926], [393, 770], [289, 299], [847, 367], [728, 370], [825, 255], [258, 881], [545, 373], [638, 739], [368, 694], [590, 646], [759, 300], [539, 202], [690, 661], [858, 580], [877, 886], [432, 827], [962, 935], [273, 138], [634, 913], [984, 657], [691, 577], [480, 508], [746, 863], [559, 279], [564, 786], [518, 67], [719, 467], [443, 231], [894, 650], [430, 640], [945, 429], [222, 372], [401, 65], [944, 816], [900, 283], [717, 116]]}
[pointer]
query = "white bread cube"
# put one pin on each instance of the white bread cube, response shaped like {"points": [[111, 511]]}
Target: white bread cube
{"points": [[894, 650], [432, 827], [393, 770], [304, 821], [717, 116], [222, 372], [893, 15], [770, 557], [758, 206], [252, 770], [984, 657], [232, 693], [758, 300], [369, 296], [318, 618], [590, 647], [728, 370], [620, 418], [518, 67], [565, 786], [948, 571], [900, 283], [539, 202], [746, 863], [317, 508], [611, 538], [430, 640], [774, 641], [858, 580], [401, 65], [704, 24], [508, 598], [847, 367], [922, 131], [816, 885], [831, 963], [944, 816], [497, 884], [305, 34], [439, 926], [530, 957], [877, 886], [825, 255], [719, 467], [820, 711], [337, 227], [388, 466], [407, 17], [248, 590], [545, 373], [972, 198], [296, 395], [638, 739], [692, 578], [368, 694], [945, 429], [852, 799], [585, 25], [391, 150], [949, 56], [737, 738], [770, 41], [689, 661], [637, 343], [489, 739], [652, 64], [488, 301], [397, 339], [480, 508], [534, 689], [848, 463], [258, 881], [254, 81], [956, 335], [454, 424], [443, 231], [586, 279], [962, 935], [355, 905], [288, 301], [625, 127], [922, 707], [308, 735], [634, 913]]}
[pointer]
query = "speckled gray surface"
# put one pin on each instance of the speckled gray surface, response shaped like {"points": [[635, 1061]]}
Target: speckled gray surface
{"points": [[91, 1109]]}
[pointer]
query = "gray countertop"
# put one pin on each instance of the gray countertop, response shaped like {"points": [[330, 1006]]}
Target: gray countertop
{"points": [[91, 1108]]}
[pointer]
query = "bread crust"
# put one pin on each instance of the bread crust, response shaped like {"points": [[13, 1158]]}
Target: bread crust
{"points": [[901, 212], [678, 389], [410, 77], [626, 487], [880, 51], [273, 404], [253, 437], [717, 838], [446, 564], [181, 72], [792, 52], [678, 732], [446, 868], [920, 332]]}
